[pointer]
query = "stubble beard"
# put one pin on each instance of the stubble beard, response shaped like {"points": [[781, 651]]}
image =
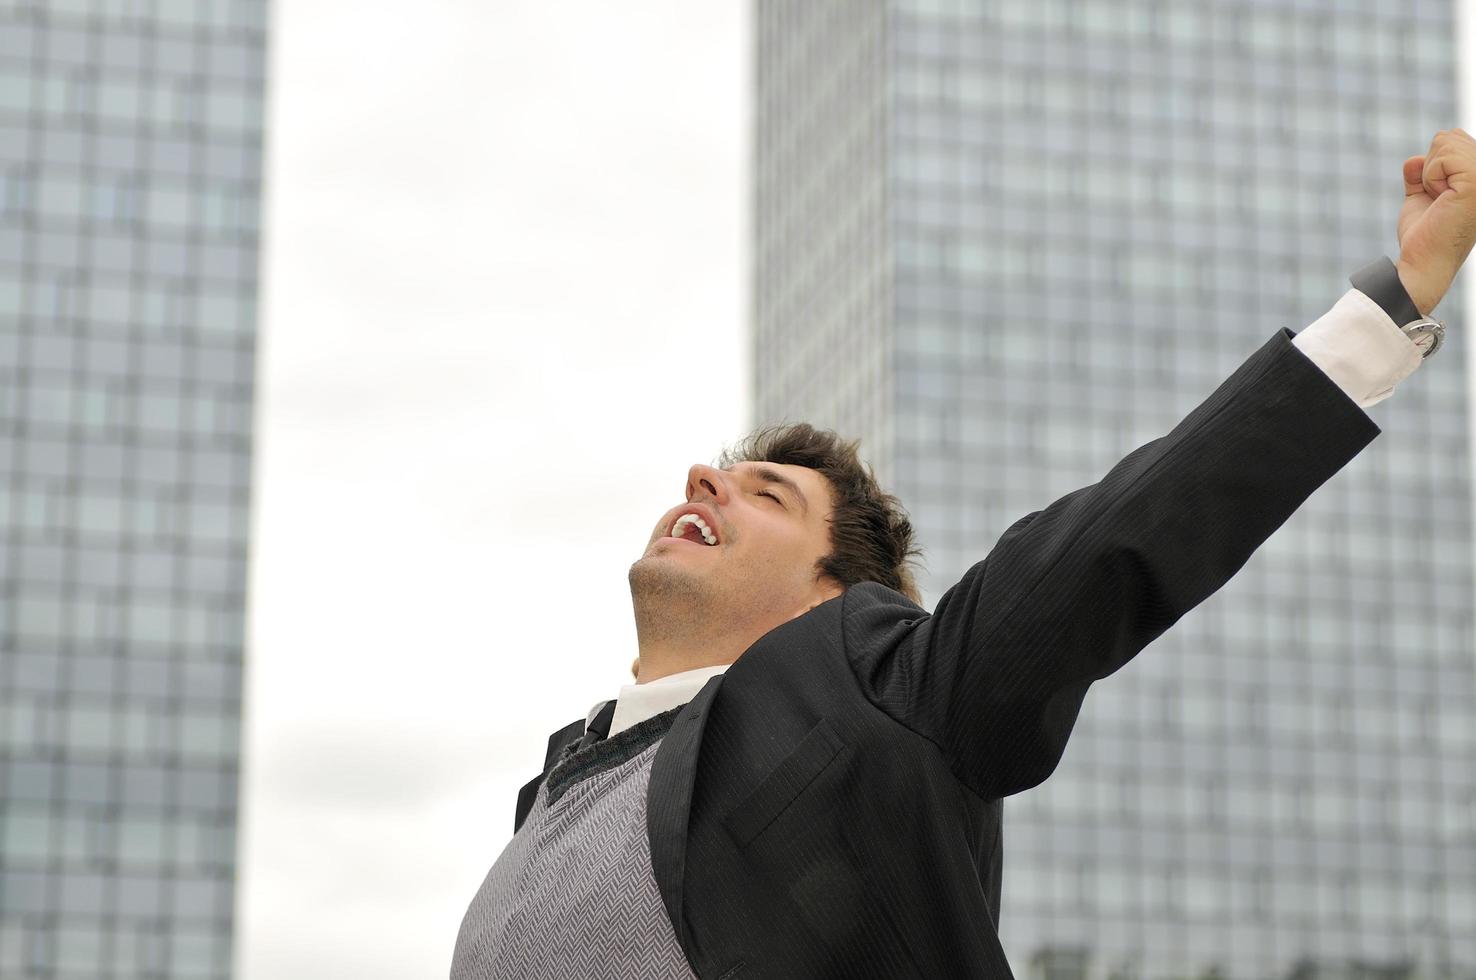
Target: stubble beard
{"points": [[671, 604]]}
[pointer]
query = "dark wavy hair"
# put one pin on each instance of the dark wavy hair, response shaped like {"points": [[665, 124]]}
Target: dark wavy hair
{"points": [[870, 533]]}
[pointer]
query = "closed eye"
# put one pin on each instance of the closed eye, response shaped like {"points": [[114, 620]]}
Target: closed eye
{"points": [[770, 493]]}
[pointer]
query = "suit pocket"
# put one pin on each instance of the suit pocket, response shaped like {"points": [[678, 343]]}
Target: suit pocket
{"points": [[783, 786]]}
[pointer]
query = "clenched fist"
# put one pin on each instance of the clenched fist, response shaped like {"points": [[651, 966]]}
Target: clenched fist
{"points": [[1437, 225]]}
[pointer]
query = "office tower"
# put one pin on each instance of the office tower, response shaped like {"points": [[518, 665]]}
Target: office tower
{"points": [[130, 160], [1006, 242]]}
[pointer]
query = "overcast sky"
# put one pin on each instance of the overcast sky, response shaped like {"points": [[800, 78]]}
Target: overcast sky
{"points": [[504, 309]]}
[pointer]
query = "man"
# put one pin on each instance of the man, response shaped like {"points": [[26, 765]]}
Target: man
{"points": [[807, 778]]}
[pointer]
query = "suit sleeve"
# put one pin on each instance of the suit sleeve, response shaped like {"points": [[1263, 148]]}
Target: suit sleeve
{"points": [[995, 677]]}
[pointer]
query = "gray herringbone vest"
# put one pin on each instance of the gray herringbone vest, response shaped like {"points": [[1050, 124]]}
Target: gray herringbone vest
{"points": [[572, 895]]}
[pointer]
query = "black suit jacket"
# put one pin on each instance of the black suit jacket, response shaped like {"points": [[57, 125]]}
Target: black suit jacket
{"points": [[830, 806]]}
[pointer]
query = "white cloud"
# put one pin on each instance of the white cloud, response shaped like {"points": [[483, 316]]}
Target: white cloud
{"points": [[504, 309]]}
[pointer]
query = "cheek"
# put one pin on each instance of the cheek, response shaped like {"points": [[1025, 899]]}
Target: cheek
{"points": [[789, 559]]}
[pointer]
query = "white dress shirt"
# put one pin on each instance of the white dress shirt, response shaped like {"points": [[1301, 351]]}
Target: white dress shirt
{"points": [[1354, 343], [1359, 347], [637, 702]]}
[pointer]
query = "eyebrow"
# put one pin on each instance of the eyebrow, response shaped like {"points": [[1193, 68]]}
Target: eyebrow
{"points": [[774, 476]]}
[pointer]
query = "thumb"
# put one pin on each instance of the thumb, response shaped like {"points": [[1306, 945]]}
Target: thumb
{"points": [[1414, 176]]}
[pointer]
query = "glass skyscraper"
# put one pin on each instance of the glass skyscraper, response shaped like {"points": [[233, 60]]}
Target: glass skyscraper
{"points": [[130, 162], [1005, 242]]}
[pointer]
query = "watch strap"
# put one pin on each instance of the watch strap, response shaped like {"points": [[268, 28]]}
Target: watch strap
{"points": [[1379, 281]]}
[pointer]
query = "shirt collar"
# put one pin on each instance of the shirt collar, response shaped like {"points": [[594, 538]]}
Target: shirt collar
{"points": [[637, 702]]}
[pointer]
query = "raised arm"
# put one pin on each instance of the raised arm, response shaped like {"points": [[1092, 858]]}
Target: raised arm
{"points": [[996, 675]]}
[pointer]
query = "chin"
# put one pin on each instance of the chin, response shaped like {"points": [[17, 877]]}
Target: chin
{"points": [[650, 576]]}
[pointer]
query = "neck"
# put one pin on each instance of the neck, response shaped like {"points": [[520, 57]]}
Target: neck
{"points": [[671, 644], [681, 626], [664, 651]]}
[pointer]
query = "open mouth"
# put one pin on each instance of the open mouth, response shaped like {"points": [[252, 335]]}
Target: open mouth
{"points": [[691, 527]]}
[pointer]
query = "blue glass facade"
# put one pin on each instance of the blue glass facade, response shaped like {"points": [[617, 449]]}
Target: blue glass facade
{"points": [[1005, 242], [130, 160]]}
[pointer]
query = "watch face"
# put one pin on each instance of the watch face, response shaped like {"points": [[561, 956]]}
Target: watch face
{"points": [[1426, 334]]}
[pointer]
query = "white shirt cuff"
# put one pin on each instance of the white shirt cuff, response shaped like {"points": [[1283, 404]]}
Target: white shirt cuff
{"points": [[1361, 349]]}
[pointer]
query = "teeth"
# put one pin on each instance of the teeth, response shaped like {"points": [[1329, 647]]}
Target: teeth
{"points": [[681, 522]]}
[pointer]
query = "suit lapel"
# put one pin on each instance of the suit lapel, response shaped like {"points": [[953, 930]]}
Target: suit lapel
{"points": [[669, 802]]}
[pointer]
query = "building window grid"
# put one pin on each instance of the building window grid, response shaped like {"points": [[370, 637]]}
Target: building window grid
{"points": [[949, 341], [44, 951]]}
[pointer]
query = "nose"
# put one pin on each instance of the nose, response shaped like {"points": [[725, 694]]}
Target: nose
{"points": [[702, 478]]}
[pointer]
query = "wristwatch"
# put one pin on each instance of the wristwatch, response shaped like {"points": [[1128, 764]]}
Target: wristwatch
{"points": [[1379, 281]]}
